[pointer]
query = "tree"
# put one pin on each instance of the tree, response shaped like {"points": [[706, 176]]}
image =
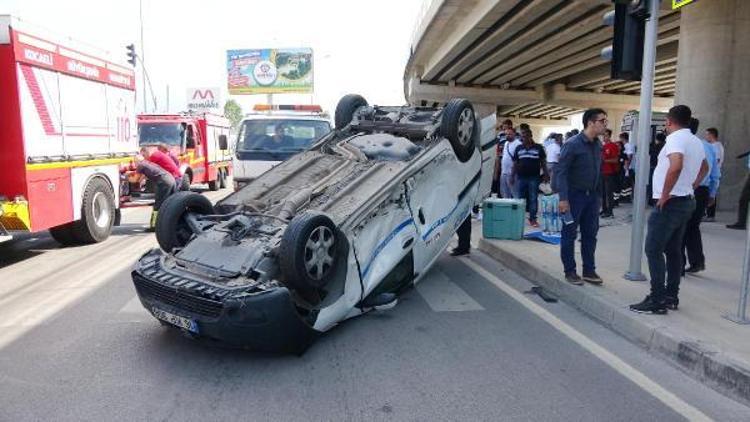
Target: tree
{"points": [[233, 112]]}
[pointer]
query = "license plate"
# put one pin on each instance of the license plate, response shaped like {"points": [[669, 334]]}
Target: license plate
{"points": [[176, 320]]}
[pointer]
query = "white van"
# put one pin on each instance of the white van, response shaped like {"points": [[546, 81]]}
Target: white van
{"points": [[272, 134]]}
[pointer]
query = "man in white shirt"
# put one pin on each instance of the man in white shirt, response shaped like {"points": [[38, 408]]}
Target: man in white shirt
{"points": [[552, 151], [681, 167], [506, 166]]}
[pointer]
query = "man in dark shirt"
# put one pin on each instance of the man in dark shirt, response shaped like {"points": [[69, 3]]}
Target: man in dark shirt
{"points": [[577, 180], [528, 163], [164, 184]]}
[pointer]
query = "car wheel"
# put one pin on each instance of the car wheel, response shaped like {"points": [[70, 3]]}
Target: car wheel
{"points": [[308, 251], [97, 213], [64, 234], [458, 124], [172, 230], [214, 184], [346, 108]]}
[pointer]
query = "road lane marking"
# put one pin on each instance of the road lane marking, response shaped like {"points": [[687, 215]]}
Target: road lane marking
{"points": [[72, 286], [614, 362], [443, 295]]}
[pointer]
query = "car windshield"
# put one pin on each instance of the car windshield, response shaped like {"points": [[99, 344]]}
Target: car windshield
{"points": [[160, 133], [280, 134]]}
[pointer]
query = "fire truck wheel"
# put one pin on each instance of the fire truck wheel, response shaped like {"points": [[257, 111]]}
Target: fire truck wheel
{"points": [[97, 213], [185, 182], [172, 231], [222, 178], [63, 234]]}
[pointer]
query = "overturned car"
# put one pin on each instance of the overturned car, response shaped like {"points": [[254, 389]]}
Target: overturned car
{"points": [[327, 235]]}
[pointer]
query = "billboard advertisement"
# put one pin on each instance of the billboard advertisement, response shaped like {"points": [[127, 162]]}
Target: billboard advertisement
{"points": [[270, 71], [203, 99]]}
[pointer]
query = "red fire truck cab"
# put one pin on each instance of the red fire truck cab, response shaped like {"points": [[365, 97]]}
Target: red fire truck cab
{"points": [[68, 122], [200, 141]]}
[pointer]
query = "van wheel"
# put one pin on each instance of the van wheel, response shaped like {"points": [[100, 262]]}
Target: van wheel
{"points": [[172, 231], [97, 213], [346, 108], [308, 251], [458, 124], [64, 234]]}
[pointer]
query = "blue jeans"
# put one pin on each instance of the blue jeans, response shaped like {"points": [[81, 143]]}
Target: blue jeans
{"points": [[528, 188], [584, 206], [666, 227]]}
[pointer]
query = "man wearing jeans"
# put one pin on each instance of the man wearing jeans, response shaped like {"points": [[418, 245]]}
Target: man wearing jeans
{"points": [[577, 180], [681, 167], [528, 163]]}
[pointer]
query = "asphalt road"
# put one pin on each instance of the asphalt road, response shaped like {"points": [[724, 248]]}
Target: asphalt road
{"points": [[466, 344]]}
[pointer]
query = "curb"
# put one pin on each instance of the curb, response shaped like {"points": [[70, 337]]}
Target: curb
{"points": [[698, 359]]}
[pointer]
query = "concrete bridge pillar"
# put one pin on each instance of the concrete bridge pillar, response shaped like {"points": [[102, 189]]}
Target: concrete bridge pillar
{"points": [[713, 79]]}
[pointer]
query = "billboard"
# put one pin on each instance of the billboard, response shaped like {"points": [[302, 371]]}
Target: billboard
{"points": [[203, 99], [270, 71]]}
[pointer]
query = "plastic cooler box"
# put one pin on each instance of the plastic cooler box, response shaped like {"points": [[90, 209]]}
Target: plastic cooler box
{"points": [[503, 218]]}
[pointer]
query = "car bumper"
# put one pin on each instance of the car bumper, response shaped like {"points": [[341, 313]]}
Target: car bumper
{"points": [[266, 321]]}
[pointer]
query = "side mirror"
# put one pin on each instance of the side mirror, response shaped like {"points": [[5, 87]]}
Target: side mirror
{"points": [[223, 144]]}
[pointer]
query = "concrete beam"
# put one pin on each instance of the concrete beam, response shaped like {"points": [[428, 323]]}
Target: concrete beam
{"points": [[666, 54], [536, 122], [566, 42], [557, 95]]}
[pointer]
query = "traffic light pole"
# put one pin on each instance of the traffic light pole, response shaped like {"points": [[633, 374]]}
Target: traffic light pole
{"points": [[642, 143]]}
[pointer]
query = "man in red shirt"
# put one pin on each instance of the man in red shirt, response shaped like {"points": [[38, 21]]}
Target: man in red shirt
{"points": [[610, 169], [162, 160]]}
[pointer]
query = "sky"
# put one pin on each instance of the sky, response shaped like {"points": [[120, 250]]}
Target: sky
{"points": [[360, 46]]}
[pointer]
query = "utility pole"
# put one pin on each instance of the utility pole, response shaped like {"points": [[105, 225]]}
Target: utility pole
{"points": [[642, 141], [143, 56]]}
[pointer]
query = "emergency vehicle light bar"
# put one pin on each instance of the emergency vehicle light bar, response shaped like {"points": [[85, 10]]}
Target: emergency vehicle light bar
{"points": [[269, 107]]}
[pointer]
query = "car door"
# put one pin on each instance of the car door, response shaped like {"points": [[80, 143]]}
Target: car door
{"points": [[433, 197]]}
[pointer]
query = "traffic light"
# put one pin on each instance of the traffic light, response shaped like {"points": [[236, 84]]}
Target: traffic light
{"points": [[626, 52], [131, 54]]}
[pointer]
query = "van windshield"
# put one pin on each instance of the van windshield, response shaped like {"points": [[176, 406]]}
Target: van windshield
{"points": [[160, 133], [280, 135]]}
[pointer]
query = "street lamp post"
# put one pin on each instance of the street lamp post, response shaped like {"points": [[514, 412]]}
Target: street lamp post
{"points": [[642, 141]]}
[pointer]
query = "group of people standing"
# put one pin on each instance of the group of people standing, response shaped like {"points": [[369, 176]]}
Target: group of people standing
{"points": [[162, 169], [588, 170]]}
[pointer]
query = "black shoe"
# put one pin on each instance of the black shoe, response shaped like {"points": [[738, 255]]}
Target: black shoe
{"points": [[592, 278], [573, 278], [736, 226], [648, 306], [671, 303], [459, 252], [695, 269]]}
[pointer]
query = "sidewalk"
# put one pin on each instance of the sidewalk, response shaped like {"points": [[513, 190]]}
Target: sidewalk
{"points": [[696, 337]]}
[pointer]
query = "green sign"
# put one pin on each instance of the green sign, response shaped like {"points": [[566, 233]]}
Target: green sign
{"points": [[676, 4]]}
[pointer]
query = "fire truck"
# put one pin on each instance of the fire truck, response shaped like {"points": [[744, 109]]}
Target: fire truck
{"points": [[68, 121], [200, 141]]}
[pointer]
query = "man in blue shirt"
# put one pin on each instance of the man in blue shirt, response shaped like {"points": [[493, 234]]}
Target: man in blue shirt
{"points": [[577, 179], [705, 195]]}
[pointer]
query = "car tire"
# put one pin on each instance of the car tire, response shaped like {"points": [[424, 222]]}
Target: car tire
{"points": [[172, 231], [308, 251], [64, 234], [458, 124], [346, 108], [97, 213], [214, 184]]}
